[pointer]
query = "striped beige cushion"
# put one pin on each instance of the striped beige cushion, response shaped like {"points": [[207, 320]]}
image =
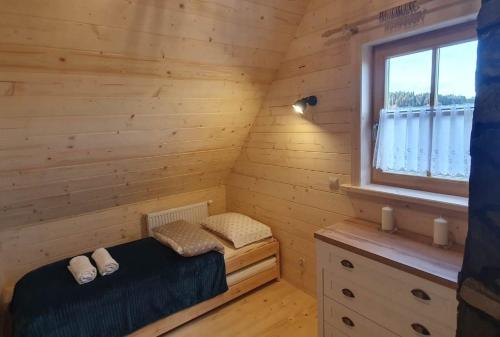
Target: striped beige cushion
{"points": [[240, 229], [187, 239]]}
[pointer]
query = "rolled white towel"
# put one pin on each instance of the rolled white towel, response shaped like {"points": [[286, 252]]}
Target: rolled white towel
{"points": [[83, 271], [105, 263]]}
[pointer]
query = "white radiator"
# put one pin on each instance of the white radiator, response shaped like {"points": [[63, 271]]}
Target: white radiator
{"points": [[193, 213]]}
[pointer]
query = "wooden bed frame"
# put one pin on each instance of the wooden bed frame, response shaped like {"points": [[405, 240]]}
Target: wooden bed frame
{"points": [[233, 264]]}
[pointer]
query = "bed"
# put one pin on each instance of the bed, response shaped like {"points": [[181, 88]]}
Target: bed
{"points": [[245, 269], [236, 290]]}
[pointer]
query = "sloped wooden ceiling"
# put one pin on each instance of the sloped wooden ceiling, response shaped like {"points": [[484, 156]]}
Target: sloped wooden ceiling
{"points": [[109, 102]]}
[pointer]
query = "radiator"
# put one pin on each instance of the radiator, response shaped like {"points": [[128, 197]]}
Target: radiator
{"points": [[193, 213]]}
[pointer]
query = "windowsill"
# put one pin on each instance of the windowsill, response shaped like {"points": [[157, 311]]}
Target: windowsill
{"points": [[449, 202]]}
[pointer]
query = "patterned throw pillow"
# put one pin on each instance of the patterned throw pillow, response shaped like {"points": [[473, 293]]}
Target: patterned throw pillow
{"points": [[240, 229], [187, 239]]}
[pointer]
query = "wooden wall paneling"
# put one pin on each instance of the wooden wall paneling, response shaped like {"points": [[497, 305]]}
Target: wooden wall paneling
{"points": [[107, 103], [294, 6], [315, 142], [100, 172], [328, 15], [288, 162], [317, 180], [327, 162], [334, 100], [113, 109], [411, 217], [336, 78], [281, 207], [72, 189], [338, 54], [28, 159], [40, 32], [117, 139], [104, 110], [109, 196], [26, 247], [293, 224], [42, 84], [281, 15], [334, 202], [23, 248], [145, 18], [14, 57], [16, 106], [14, 128]]}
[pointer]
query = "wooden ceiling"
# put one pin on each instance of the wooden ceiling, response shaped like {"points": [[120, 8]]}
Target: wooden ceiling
{"points": [[104, 103]]}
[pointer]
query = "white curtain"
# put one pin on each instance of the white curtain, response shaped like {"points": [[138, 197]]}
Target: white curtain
{"points": [[451, 141], [403, 141], [423, 141]]}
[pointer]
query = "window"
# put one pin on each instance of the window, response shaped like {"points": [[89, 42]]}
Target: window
{"points": [[424, 92]]}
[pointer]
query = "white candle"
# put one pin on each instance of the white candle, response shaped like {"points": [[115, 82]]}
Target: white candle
{"points": [[441, 232], [387, 219]]}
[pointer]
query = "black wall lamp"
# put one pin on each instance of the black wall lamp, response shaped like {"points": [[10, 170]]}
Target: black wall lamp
{"points": [[301, 105]]}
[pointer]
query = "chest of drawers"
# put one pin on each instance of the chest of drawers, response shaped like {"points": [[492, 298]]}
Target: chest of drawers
{"points": [[376, 284]]}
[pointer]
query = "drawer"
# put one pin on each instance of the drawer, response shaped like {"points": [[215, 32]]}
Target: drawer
{"points": [[330, 331], [403, 321], [423, 297], [349, 323]]}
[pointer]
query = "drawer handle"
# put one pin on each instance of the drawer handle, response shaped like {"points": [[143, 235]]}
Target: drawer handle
{"points": [[419, 293], [348, 293], [347, 264], [419, 328], [347, 321]]}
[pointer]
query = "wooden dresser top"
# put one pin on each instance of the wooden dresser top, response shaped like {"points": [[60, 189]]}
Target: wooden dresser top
{"points": [[409, 252]]}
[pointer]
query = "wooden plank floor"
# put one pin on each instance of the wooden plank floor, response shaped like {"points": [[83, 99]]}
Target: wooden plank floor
{"points": [[276, 310]]}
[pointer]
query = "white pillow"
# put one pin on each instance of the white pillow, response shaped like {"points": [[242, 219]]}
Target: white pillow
{"points": [[240, 229]]}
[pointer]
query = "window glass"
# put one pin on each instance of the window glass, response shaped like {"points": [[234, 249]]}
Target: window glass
{"points": [[409, 80], [456, 73], [416, 138]]}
